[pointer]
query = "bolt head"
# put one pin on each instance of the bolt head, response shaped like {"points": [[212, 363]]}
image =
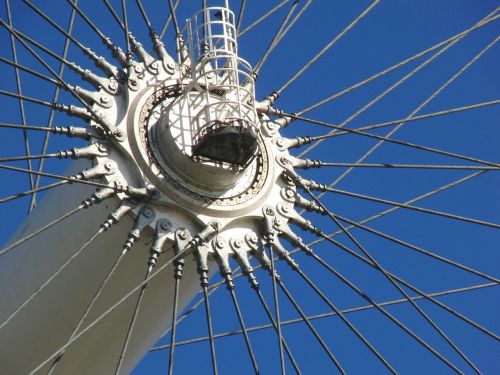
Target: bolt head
{"points": [[280, 142], [104, 99], [253, 238], [164, 225], [101, 147], [269, 211], [238, 243], [183, 235], [286, 208], [290, 193], [109, 166], [148, 213]]}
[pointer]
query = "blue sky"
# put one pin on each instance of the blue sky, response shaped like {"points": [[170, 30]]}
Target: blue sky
{"points": [[393, 31]]}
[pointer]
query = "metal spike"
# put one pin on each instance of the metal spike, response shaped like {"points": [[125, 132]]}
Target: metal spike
{"points": [[144, 218], [146, 58], [90, 151], [99, 170], [126, 206], [73, 110], [201, 256], [163, 228], [168, 61], [287, 143], [75, 131], [98, 196], [182, 240], [92, 97], [102, 63], [117, 52]]}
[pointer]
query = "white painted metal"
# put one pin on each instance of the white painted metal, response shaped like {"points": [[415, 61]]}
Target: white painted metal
{"points": [[158, 114]]}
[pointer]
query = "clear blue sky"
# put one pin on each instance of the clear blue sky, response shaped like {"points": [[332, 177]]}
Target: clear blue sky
{"points": [[393, 31]]}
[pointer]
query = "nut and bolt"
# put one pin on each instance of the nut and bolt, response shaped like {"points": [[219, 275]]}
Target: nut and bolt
{"points": [[290, 193], [269, 211], [110, 166], [118, 132], [253, 238], [285, 208], [101, 147], [238, 243], [164, 225], [219, 243], [183, 235], [148, 212]]}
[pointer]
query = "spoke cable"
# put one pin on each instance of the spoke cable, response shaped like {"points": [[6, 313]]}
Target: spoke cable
{"points": [[133, 320], [327, 47], [328, 315], [276, 303], [420, 107], [20, 92], [263, 18], [391, 280], [485, 21]]}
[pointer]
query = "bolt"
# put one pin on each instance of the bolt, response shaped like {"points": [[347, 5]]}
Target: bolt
{"points": [[183, 235], [253, 238], [289, 193], [279, 222], [171, 65], [280, 142], [154, 65], [118, 132], [138, 69], [101, 147], [271, 125], [269, 211], [132, 82], [109, 165], [219, 243], [104, 99], [238, 243], [113, 85], [285, 208], [148, 212], [164, 225]]}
